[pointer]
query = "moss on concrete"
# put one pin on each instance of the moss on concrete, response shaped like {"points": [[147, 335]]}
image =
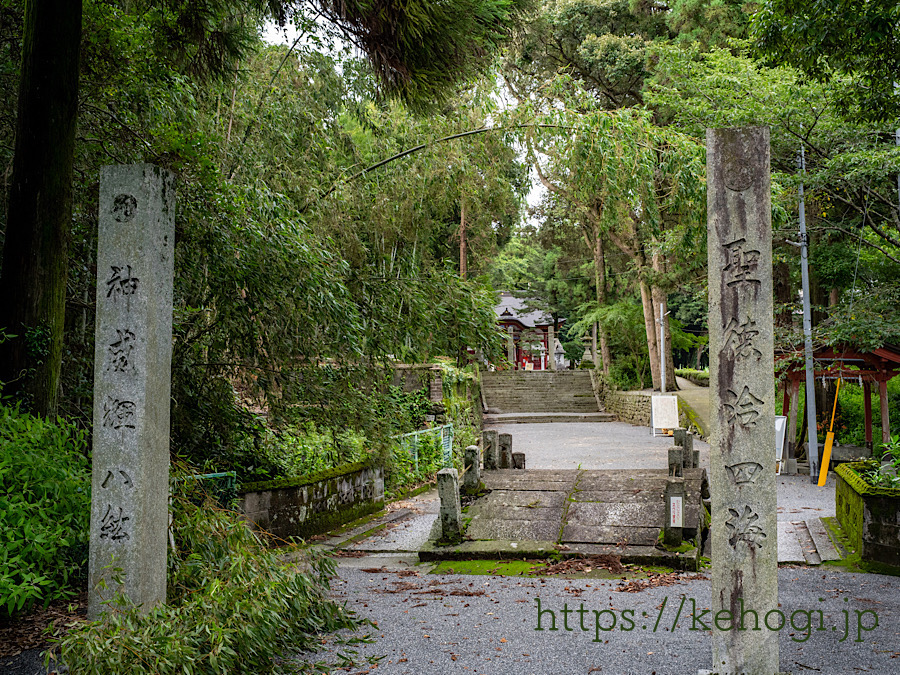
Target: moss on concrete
{"points": [[300, 481], [851, 560]]}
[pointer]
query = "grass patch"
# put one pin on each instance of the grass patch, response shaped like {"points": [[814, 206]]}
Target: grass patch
{"points": [[503, 568], [532, 568]]}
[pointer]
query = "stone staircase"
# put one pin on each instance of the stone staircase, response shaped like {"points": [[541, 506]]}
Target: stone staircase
{"points": [[541, 396], [805, 542]]}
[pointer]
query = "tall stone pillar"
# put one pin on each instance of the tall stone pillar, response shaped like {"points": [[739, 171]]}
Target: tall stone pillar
{"points": [[551, 348], [511, 348], [132, 386], [742, 378]]}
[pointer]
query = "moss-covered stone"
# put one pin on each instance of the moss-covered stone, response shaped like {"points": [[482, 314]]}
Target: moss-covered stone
{"points": [[869, 517], [300, 481]]}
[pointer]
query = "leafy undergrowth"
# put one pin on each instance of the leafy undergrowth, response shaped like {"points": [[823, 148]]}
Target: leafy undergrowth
{"points": [[44, 506], [233, 605]]}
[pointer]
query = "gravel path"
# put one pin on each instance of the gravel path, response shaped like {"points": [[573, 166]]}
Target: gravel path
{"points": [[481, 624]]}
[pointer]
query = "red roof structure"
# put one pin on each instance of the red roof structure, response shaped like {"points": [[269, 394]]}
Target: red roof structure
{"points": [[869, 368]]}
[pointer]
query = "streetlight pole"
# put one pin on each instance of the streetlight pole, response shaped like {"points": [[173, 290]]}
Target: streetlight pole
{"points": [[811, 430], [662, 348]]}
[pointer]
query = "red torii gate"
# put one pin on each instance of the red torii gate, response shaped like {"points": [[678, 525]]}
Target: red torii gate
{"points": [[876, 366]]}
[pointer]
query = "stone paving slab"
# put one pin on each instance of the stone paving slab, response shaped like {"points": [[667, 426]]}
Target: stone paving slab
{"points": [[616, 514], [528, 485], [498, 498], [824, 547], [534, 474], [601, 534], [520, 530], [516, 475], [789, 549], [634, 496], [503, 512]]}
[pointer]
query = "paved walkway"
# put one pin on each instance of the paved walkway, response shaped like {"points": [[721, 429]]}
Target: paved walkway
{"points": [[698, 398], [589, 447], [606, 445], [463, 624]]}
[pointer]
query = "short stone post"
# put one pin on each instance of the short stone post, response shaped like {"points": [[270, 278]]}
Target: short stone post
{"points": [[505, 451], [490, 440], [742, 379], [679, 437], [685, 439], [518, 460], [676, 461], [451, 510], [674, 494], [472, 476], [132, 386]]}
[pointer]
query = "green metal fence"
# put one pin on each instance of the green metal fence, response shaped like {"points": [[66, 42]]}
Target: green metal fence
{"points": [[410, 443]]}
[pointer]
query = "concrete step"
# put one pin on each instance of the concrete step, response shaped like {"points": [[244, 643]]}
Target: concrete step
{"points": [[545, 392], [546, 417]]}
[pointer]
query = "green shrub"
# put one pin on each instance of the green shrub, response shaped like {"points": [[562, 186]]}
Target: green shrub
{"points": [[698, 377], [883, 473], [233, 606], [849, 427], [44, 509], [628, 372]]}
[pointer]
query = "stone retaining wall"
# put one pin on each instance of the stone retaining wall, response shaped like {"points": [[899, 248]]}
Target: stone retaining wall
{"points": [[632, 407], [303, 507], [870, 516]]}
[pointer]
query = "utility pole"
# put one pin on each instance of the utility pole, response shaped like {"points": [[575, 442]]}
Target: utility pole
{"points": [[811, 431], [662, 347]]}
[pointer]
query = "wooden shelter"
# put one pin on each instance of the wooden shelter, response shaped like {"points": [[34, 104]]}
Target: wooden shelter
{"points": [[870, 368]]}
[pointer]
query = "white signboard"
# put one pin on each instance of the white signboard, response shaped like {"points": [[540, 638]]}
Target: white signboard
{"points": [[780, 428], [675, 509], [663, 412]]}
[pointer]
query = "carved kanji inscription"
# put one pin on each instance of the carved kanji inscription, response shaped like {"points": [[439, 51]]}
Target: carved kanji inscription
{"points": [[118, 352], [739, 339], [744, 472], [118, 475], [113, 525], [121, 283], [741, 526], [118, 414], [124, 207], [742, 407], [742, 263]]}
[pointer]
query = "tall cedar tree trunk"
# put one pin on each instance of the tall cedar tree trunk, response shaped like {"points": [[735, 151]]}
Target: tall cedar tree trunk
{"points": [[35, 253], [783, 295], [595, 242], [650, 328]]}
